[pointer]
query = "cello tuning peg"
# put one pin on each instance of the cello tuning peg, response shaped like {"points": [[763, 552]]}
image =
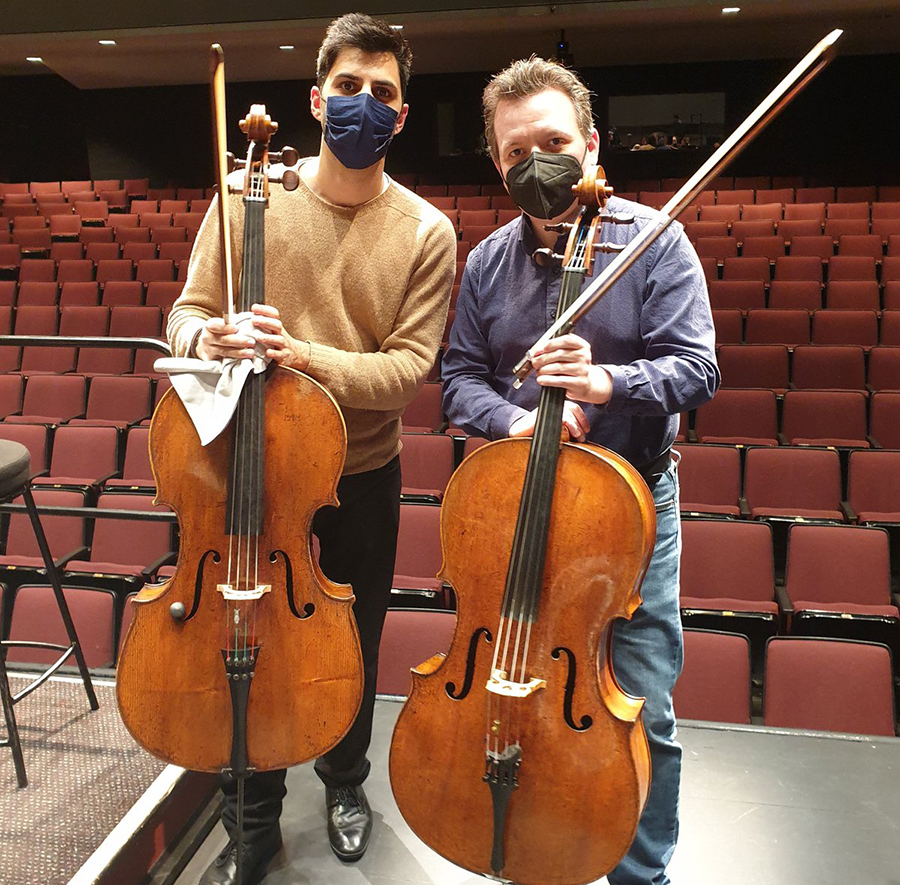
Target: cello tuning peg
{"points": [[290, 180], [618, 218], [233, 162], [289, 156], [610, 247], [563, 227], [546, 257]]}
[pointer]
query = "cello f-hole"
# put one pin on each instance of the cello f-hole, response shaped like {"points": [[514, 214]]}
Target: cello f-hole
{"points": [[198, 583], [470, 665], [586, 721], [309, 608]]}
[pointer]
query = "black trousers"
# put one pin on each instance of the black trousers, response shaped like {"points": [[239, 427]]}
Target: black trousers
{"points": [[358, 543]]}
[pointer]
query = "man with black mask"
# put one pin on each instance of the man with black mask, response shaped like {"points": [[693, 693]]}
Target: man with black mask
{"points": [[642, 355], [359, 272]]}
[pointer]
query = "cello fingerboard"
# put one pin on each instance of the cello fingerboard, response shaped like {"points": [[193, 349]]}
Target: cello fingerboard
{"points": [[245, 486], [525, 576]]}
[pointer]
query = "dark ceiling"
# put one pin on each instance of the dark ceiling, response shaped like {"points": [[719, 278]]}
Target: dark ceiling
{"points": [[166, 42]]}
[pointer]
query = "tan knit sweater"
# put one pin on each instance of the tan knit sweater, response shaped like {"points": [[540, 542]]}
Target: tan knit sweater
{"points": [[367, 286]]}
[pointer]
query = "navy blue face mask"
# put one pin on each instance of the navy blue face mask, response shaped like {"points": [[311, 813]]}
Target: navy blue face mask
{"points": [[358, 129]]}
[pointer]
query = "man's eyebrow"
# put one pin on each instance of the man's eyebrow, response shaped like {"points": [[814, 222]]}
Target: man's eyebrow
{"points": [[357, 79]]}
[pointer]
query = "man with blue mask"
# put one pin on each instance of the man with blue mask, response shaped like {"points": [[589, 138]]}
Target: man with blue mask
{"points": [[644, 354], [359, 272]]}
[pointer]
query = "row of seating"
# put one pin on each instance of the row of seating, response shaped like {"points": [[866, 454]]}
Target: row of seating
{"points": [[66, 223], [790, 483], [18, 214], [118, 400], [838, 418], [144, 271], [809, 367], [134, 187], [810, 295], [19, 297], [872, 247], [781, 189], [71, 230], [760, 189], [811, 684], [96, 243], [795, 326]]}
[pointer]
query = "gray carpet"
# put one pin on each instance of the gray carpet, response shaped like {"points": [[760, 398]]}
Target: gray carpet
{"points": [[84, 772]]}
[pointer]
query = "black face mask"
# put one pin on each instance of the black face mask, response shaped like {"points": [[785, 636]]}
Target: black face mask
{"points": [[541, 185]]}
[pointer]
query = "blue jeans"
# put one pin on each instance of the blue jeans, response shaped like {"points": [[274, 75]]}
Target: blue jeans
{"points": [[647, 657]]}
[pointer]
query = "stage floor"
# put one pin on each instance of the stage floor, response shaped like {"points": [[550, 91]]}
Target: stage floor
{"points": [[758, 808]]}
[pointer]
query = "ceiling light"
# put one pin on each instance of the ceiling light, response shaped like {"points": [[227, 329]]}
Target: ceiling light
{"points": [[396, 27], [287, 46], [35, 58], [730, 10], [107, 42]]}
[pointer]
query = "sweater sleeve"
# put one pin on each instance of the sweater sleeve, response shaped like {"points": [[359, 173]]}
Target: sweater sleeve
{"points": [[389, 378], [201, 297]]}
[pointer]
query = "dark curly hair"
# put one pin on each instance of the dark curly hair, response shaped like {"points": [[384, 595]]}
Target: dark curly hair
{"points": [[358, 31]]}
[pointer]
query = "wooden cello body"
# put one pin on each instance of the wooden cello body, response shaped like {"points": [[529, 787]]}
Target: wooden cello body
{"points": [[173, 693], [517, 755]]}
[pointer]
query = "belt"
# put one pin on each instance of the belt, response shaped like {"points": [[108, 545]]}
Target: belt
{"points": [[653, 470]]}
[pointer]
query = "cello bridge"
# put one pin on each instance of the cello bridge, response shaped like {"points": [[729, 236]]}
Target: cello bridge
{"points": [[230, 592], [500, 684]]}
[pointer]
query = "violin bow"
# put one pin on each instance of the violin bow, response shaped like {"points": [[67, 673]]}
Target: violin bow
{"points": [[812, 64]]}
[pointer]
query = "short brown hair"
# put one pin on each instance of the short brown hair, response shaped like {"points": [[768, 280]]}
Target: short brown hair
{"points": [[528, 76], [358, 31]]}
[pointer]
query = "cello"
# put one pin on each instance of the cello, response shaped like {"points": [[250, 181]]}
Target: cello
{"points": [[517, 755], [248, 658]]}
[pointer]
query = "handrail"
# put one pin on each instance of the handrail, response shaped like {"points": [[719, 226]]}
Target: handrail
{"points": [[87, 341], [49, 510]]}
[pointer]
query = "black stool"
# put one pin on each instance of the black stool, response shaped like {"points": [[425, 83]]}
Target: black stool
{"points": [[15, 468]]}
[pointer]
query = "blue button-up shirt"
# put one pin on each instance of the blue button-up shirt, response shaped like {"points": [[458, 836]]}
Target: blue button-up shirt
{"points": [[652, 332]]}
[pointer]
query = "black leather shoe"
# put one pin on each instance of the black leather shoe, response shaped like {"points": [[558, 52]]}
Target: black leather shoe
{"points": [[349, 821], [257, 854]]}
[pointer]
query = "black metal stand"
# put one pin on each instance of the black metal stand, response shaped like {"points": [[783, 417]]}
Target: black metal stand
{"points": [[74, 648]]}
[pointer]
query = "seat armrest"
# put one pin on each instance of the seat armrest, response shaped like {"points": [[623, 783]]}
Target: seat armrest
{"points": [[77, 553], [783, 600], [166, 559], [744, 508], [848, 511]]}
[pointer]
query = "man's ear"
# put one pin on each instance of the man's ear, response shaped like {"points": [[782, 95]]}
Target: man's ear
{"points": [[401, 119], [593, 148], [316, 104]]}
